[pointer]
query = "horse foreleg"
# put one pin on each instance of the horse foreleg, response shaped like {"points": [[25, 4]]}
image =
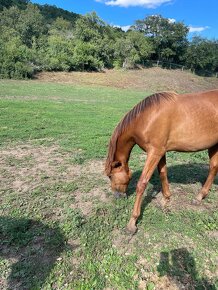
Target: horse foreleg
{"points": [[213, 154], [162, 169], [150, 165]]}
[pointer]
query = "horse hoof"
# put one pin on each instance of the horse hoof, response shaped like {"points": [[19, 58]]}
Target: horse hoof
{"points": [[196, 201], [165, 203], [131, 231], [131, 228]]}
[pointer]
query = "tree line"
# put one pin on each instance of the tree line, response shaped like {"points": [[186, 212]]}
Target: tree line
{"points": [[45, 38]]}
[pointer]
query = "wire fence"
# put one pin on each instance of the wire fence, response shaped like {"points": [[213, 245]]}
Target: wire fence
{"points": [[170, 65]]}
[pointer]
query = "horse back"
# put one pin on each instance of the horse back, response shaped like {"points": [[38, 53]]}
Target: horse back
{"points": [[194, 122]]}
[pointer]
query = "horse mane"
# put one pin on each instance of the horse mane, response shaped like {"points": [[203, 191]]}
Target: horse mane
{"points": [[155, 99]]}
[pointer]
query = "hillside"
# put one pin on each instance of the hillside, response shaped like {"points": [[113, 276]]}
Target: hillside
{"points": [[35, 38], [152, 79], [50, 12]]}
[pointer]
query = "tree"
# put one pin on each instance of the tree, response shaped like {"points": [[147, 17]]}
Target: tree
{"points": [[35, 37], [202, 55], [14, 56], [58, 54], [169, 38], [85, 56], [107, 45], [21, 4], [10, 18], [61, 25], [89, 28], [51, 13], [89, 35], [31, 24], [28, 23], [133, 48]]}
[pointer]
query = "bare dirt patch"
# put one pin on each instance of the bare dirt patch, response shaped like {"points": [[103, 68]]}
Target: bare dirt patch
{"points": [[214, 234], [26, 169], [87, 201], [183, 200], [161, 283], [152, 79], [123, 241]]}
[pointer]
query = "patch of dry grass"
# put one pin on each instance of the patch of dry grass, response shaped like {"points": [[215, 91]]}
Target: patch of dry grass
{"points": [[26, 169], [152, 79]]}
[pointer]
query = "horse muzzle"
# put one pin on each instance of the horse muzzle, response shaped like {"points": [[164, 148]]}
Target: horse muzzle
{"points": [[119, 194]]}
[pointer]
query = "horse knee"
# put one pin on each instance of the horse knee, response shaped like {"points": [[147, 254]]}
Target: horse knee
{"points": [[214, 166], [141, 185], [163, 172]]}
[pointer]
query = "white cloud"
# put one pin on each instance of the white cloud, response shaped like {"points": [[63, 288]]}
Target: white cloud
{"points": [[124, 28], [143, 3], [197, 29], [172, 20]]}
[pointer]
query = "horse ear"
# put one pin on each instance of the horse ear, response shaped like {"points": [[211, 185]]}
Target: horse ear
{"points": [[116, 164]]}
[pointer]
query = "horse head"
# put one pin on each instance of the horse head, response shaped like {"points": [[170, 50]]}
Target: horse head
{"points": [[120, 176]]}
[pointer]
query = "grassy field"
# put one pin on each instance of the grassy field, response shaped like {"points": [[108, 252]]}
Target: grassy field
{"points": [[60, 226]]}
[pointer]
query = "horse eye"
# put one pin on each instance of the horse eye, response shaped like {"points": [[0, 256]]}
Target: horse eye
{"points": [[118, 164]]}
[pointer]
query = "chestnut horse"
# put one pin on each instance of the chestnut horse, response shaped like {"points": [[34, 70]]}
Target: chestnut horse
{"points": [[160, 123]]}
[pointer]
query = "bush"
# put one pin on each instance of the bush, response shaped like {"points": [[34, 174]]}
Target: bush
{"points": [[17, 70], [15, 59]]}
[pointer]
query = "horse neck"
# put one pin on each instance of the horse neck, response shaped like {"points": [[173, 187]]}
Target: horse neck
{"points": [[125, 143]]}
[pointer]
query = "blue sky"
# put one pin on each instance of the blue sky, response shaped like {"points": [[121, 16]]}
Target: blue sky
{"points": [[200, 15]]}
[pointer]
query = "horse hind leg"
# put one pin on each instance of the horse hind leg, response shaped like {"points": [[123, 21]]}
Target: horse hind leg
{"points": [[162, 169], [213, 155]]}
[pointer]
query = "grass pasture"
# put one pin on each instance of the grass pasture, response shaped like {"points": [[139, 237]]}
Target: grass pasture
{"points": [[60, 226]]}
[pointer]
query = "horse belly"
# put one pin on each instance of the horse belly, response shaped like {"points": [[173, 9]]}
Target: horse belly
{"points": [[195, 135], [190, 145]]}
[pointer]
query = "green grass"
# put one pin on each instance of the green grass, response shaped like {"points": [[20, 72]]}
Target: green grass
{"points": [[75, 117], [60, 228]]}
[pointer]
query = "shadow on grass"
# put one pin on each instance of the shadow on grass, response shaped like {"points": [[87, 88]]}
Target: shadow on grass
{"points": [[179, 266], [33, 247], [181, 174]]}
